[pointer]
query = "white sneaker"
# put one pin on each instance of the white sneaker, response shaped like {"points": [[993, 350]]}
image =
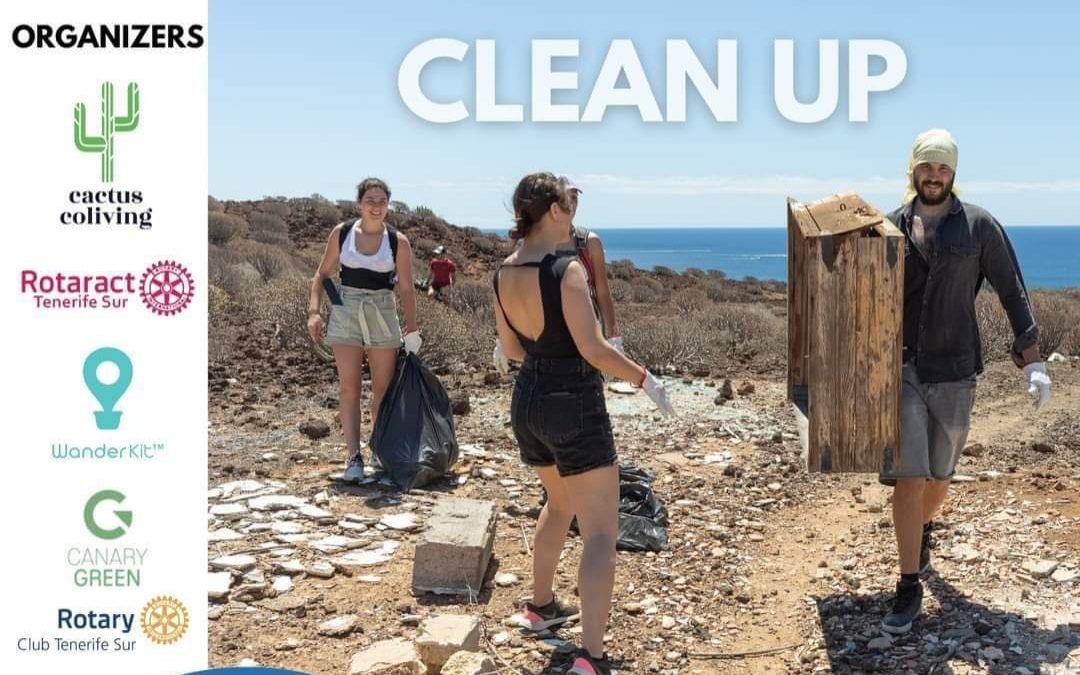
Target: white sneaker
{"points": [[354, 472]]}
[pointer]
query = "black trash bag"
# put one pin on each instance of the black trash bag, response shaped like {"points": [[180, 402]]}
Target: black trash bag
{"points": [[414, 432], [643, 518]]}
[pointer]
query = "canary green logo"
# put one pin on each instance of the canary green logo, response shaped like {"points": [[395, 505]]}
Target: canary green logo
{"points": [[111, 124], [92, 524]]}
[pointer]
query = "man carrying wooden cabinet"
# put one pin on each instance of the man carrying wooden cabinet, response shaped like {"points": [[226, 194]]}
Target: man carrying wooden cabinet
{"points": [[951, 247]]}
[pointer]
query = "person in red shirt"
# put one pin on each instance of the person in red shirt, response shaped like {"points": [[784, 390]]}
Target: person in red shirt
{"points": [[442, 272]]}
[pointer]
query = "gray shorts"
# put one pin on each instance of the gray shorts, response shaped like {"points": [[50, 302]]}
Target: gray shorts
{"points": [[934, 424], [365, 319]]}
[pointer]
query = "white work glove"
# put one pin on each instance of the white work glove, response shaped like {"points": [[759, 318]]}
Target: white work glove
{"points": [[412, 342], [498, 357], [1038, 383], [616, 342], [655, 389]]}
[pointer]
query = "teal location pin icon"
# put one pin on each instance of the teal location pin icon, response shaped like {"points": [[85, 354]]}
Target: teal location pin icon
{"points": [[107, 395]]}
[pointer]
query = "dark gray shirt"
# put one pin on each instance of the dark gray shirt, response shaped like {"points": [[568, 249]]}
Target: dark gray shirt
{"points": [[940, 329]]}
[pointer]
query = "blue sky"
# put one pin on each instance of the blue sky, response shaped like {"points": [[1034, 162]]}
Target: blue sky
{"points": [[304, 99]]}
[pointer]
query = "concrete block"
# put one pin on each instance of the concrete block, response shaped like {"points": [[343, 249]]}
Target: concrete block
{"points": [[444, 635], [453, 553], [470, 663], [389, 657]]}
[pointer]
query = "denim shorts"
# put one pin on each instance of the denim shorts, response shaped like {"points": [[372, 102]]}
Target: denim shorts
{"points": [[934, 422], [367, 318], [559, 416]]}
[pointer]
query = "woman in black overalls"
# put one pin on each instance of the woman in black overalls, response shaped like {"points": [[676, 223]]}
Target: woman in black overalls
{"points": [[545, 318]]}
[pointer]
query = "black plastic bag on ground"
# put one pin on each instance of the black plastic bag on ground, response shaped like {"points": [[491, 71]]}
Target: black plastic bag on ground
{"points": [[643, 518], [414, 432]]}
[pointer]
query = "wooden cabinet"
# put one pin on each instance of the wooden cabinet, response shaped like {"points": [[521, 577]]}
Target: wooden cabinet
{"points": [[845, 310]]}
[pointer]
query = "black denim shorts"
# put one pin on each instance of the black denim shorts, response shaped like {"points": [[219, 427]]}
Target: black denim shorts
{"points": [[559, 416]]}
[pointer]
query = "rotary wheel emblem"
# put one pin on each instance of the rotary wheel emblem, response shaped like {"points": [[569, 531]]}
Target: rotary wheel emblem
{"points": [[164, 619], [166, 288]]}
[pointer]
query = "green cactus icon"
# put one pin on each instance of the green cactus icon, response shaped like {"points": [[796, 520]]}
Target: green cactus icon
{"points": [[110, 126]]}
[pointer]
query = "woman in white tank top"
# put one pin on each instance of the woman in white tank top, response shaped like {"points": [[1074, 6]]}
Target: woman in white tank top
{"points": [[371, 260]]}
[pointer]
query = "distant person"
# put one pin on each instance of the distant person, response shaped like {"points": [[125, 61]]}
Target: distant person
{"points": [[370, 258], [589, 249], [951, 246], [544, 317], [443, 272]]}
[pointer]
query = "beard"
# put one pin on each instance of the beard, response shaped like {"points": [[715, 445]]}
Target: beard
{"points": [[943, 193]]}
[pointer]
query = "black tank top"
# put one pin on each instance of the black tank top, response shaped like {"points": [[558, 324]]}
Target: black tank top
{"points": [[555, 340]]}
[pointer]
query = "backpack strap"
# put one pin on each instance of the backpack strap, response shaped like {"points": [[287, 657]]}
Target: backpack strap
{"points": [[348, 225]]}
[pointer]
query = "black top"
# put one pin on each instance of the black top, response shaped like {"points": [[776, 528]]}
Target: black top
{"points": [[555, 340], [940, 285]]}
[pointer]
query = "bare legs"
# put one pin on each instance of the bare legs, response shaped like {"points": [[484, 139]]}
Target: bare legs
{"points": [[915, 502], [594, 497], [350, 367]]}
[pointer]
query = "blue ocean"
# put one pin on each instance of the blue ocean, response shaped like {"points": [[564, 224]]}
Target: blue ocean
{"points": [[1049, 256]]}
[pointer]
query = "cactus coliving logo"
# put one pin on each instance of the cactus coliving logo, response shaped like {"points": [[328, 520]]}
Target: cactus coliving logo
{"points": [[108, 207]]}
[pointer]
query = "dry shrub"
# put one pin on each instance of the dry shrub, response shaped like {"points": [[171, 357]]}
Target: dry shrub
{"points": [[423, 246], [690, 300], [1057, 317], [268, 223], [267, 260], [222, 227], [279, 308], [646, 290], [621, 269], [275, 207], [225, 273], [659, 344], [664, 271], [994, 329], [451, 337], [327, 214], [471, 297], [621, 290], [485, 245], [742, 331], [213, 205]]}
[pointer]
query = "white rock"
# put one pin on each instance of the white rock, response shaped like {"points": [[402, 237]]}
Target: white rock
{"points": [[400, 521], [321, 498], [352, 526], [218, 584], [444, 635], [287, 527], [500, 638], [282, 584], [368, 557], [1062, 575], [506, 579], [320, 569], [276, 502], [388, 657], [294, 538], [228, 511], [369, 579], [237, 562], [334, 543], [469, 663], [315, 513], [339, 626], [488, 474], [224, 534], [255, 577], [239, 487], [667, 622], [269, 456], [1042, 568], [1056, 358], [965, 553], [289, 567]]}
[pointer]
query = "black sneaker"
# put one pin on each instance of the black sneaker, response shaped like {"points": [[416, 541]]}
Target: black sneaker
{"points": [[584, 664], [905, 608], [924, 551], [536, 619]]}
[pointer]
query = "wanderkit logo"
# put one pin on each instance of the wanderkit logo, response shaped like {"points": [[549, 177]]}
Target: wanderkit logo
{"points": [[165, 288], [107, 373], [111, 207], [107, 566]]}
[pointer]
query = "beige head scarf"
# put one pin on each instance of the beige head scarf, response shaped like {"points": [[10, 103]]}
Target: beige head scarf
{"points": [[935, 145]]}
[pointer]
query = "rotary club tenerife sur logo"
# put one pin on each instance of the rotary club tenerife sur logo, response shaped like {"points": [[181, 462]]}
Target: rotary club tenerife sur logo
{"points": [[165, 288], [164, 620]]}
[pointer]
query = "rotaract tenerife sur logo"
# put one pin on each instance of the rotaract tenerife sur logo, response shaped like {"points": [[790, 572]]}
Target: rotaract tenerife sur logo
{"points": [[164, 288]]}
